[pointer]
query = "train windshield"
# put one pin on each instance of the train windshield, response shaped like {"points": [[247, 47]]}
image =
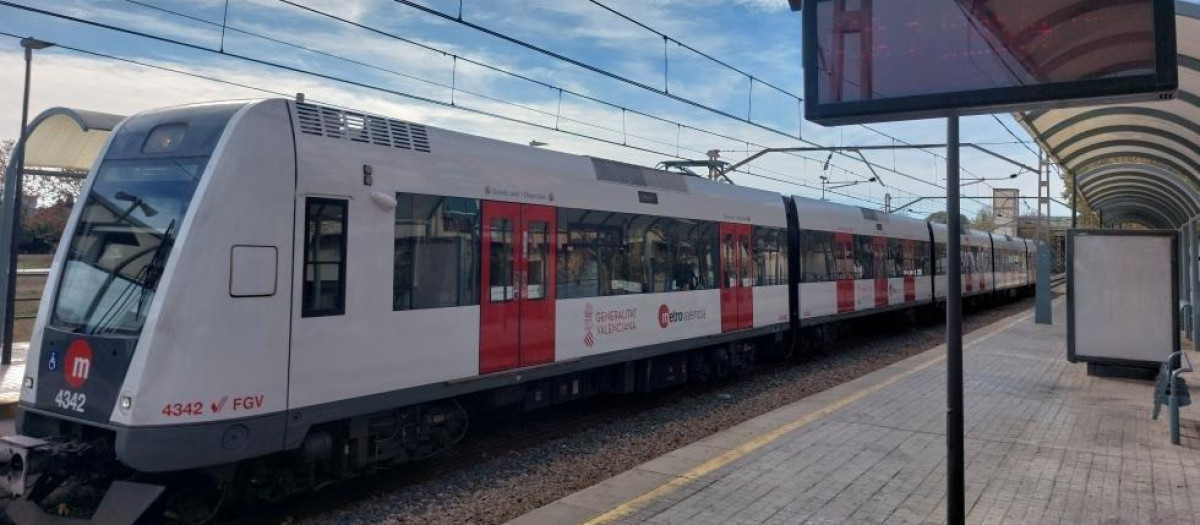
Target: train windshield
{"points": [[121, 243]]}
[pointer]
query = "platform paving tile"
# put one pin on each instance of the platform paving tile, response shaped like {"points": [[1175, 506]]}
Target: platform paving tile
{"points": [[1046, 443]]}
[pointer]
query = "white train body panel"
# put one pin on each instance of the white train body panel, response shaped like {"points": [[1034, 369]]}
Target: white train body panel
{"points": [[770, 305]]}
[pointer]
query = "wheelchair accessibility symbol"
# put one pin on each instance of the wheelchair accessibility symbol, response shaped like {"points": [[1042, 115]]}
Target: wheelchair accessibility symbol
{"points": [[52, 363]]}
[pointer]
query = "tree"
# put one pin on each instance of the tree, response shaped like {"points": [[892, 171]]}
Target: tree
{"points": [[985, 219], [48, 189], [6, 148], [1087, 217], [42, 226]]}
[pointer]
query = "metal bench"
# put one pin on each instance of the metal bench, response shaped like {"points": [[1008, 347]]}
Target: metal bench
{"points": [[1171, 390]]}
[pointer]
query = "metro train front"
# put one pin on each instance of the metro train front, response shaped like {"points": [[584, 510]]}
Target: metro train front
{"points": [[139, 365]]}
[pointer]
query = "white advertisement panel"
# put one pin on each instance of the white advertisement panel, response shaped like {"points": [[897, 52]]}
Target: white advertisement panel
{"points": [[1122, 302]]}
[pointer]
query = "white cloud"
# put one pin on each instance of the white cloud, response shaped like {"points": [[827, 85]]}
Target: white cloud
{"points": [[764, 5]]}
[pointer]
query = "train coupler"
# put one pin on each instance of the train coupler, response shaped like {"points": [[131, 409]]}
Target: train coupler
{"points": [[32, 469]]}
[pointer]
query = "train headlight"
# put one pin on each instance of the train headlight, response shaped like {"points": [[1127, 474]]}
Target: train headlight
{"points": [[126, 402], [28, 383]]}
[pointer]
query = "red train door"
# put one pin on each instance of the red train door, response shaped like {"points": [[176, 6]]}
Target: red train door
{"points": [[516, 305], [538, 228], [910, 271], [737, 277], [746, 272], [844, 264], [880, 247], [729, 277]]}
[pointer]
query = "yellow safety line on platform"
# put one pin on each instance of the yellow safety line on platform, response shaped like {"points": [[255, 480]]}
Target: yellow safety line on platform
{"points": [[631, 506]]}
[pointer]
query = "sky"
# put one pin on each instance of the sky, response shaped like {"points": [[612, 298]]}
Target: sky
{"points": [[402, 50]]}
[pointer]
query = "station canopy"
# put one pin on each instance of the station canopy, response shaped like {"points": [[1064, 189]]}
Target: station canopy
{"points": [[65, 139], [1135, 163]]}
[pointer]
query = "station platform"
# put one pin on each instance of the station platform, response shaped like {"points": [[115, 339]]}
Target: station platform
{"points": [[10, 381], [1046, 443]]}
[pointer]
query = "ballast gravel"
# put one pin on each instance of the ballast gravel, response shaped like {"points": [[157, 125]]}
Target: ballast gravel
{"points": [[506, 486]]}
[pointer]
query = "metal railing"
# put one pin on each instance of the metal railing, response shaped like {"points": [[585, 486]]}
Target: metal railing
{"points": [[1173, 393]]}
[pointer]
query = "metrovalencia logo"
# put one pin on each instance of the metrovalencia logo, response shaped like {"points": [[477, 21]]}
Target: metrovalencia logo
{"points": [[666, 316], [78, 364]]}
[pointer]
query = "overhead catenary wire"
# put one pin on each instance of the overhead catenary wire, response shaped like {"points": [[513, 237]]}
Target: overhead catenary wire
{"points": [[560, 90], [592, 98], [347, 81], [621, 78], [758, 79], [454, 90]]}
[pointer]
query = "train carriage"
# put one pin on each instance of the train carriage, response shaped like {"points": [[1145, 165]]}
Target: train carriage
{"points": [[856, 261], [269, 295]]}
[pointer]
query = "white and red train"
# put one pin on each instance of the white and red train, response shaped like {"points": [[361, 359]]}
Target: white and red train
{"points": [[271, 294]]}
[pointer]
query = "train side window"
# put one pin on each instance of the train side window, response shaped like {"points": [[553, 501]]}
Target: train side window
{"points": [[500, 265], [537, 260], [324, 290], [893, 260], [817, 256], [770, 256], [592, 254], [435, 252], [704, 238], [728, 266], [864, 262]]}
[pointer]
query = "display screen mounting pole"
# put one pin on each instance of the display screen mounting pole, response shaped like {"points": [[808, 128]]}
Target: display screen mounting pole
{"points": [[956, 483]]}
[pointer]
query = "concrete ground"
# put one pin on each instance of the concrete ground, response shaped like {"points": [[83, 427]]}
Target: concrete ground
{"points": [[1046, 443]]}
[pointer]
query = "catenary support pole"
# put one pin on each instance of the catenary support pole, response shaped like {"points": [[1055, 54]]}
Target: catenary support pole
{"points": [[955, 479], [10, 237]]}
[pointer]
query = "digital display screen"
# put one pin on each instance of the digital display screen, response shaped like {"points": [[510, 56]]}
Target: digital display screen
{"points": [[888, 59]]}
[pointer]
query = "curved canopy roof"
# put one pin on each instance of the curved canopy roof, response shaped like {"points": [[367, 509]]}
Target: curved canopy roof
{"points": [[67, 139], [1135, 162]]}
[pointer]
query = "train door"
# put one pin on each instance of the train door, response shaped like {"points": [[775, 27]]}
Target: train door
{"points": [[746, 273], [879, 245], [737, 299], [908, 255], [844, 264], [965, 262], [516, 306]]}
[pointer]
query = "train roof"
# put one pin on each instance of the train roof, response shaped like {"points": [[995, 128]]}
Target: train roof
{"points": [[971, 236], [439, 161], [1010, 242], [814, 214]]}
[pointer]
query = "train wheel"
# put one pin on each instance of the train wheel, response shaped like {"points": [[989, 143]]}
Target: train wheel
{"points": [[193, 500]]}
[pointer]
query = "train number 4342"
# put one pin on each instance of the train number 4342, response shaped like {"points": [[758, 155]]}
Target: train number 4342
{"points": [[183, 409], [68, 400]]}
